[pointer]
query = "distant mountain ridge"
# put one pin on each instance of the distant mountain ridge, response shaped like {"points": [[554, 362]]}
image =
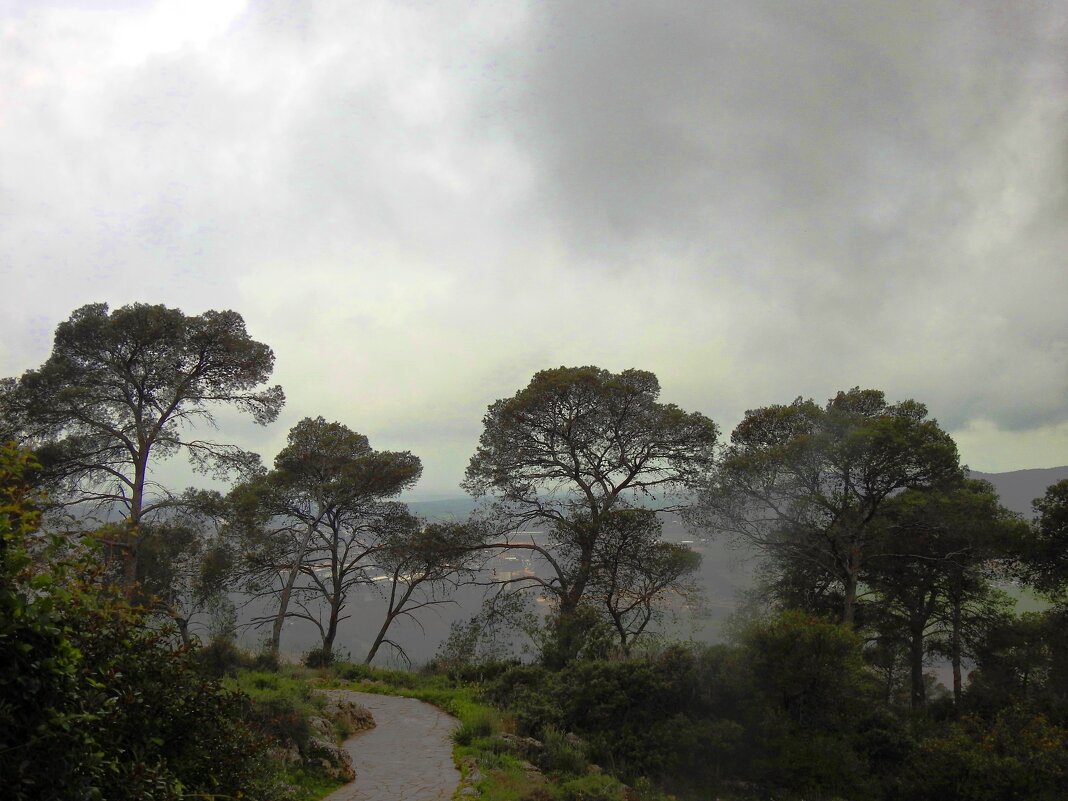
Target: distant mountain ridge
{"points": [[1018, 488], [444, 509]]}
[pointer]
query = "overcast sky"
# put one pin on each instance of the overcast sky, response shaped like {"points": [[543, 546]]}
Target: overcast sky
{"points": [[417, 205]]}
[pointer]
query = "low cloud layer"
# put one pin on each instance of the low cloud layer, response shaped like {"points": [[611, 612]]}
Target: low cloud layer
{"points": [[417, 206]]}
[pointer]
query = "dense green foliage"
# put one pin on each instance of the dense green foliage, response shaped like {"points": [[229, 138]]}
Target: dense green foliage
{"points": [[278, 705], [805, 483], [779, 709], [1048, 555], [790, 712], [97, 703]]}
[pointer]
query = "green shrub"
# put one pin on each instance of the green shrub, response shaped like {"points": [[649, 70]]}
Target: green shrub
{"points": [[561, 754], [265, 660], [645, 790], [97, 703], [352, 671], [360, 672], [537, 794], [483, 723], [809, 669], [464, 735], [529, 693], [474, 673], [318, 657], [599, 787], [681, 715], [581, 634], [221, 657], [1019, 756], [810, 764], [277, 705]]}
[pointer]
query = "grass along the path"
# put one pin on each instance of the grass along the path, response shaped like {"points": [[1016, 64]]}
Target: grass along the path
{"points": [[489, 758], [280, 704]]}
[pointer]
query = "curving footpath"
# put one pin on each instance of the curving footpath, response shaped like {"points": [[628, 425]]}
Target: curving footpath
{"points": [[406, 757]]}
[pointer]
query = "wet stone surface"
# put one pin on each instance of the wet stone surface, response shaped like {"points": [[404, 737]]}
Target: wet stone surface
{"points": [[406, 757]]}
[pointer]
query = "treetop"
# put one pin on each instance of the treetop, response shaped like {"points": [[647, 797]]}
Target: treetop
{"points": [[587, 430]]}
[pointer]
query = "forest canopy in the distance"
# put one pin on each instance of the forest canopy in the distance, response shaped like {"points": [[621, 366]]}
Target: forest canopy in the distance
{"points": [[878, 555]]}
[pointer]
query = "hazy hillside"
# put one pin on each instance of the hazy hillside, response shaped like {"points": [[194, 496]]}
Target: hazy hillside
{"points": [[446, 509], [1019, 487], [724, 572]]}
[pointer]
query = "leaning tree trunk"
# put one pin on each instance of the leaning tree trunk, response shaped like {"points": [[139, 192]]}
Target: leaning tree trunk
{"points": [[621, 631], [331, 629], [396, 606], [378, 640], [287, 592]]}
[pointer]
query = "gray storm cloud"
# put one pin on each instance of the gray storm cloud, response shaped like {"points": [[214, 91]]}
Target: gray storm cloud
{"points": [[419, 205], [891, 177]]}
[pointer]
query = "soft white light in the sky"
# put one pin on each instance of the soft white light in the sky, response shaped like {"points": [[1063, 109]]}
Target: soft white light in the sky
{"points": [[419, 205]]}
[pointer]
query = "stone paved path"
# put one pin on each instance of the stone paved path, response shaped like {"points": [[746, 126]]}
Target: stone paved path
{"points": [[406, 757]]}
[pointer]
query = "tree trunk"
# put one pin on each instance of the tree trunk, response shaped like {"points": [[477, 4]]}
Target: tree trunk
{"points": [[331, 629], [891, 674], [566, 640], [850, 602], [851, 580], [183, 630], [287, 591], [919, 690], [621, 632], [379, 639], [137, 499], [955, 653], [395, 608]]}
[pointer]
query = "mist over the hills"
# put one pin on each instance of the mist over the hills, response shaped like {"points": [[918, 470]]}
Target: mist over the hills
{"points": [[726, 572]]}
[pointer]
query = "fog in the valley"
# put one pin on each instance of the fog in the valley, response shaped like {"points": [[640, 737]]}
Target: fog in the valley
{"points": [[726, 580], [724, 576]]}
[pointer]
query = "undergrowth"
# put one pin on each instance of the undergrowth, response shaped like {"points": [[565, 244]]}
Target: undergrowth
{"points": [[488, 758], [280, 703]]}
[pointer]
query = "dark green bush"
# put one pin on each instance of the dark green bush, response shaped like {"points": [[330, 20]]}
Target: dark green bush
{"points": [[474, 673], [222, 657], [1018, 756], [481, 725], [809, 670], [528, 692], [809, 764], [561, 755], [318, 657], [161, 720], [265, 660], [358, 671], [581, 634], [95, 702], [679, 714], [353, 671], [277, 705]]}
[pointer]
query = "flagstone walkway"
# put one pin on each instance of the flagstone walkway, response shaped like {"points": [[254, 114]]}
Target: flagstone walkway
{"points": [[407, 756]]}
